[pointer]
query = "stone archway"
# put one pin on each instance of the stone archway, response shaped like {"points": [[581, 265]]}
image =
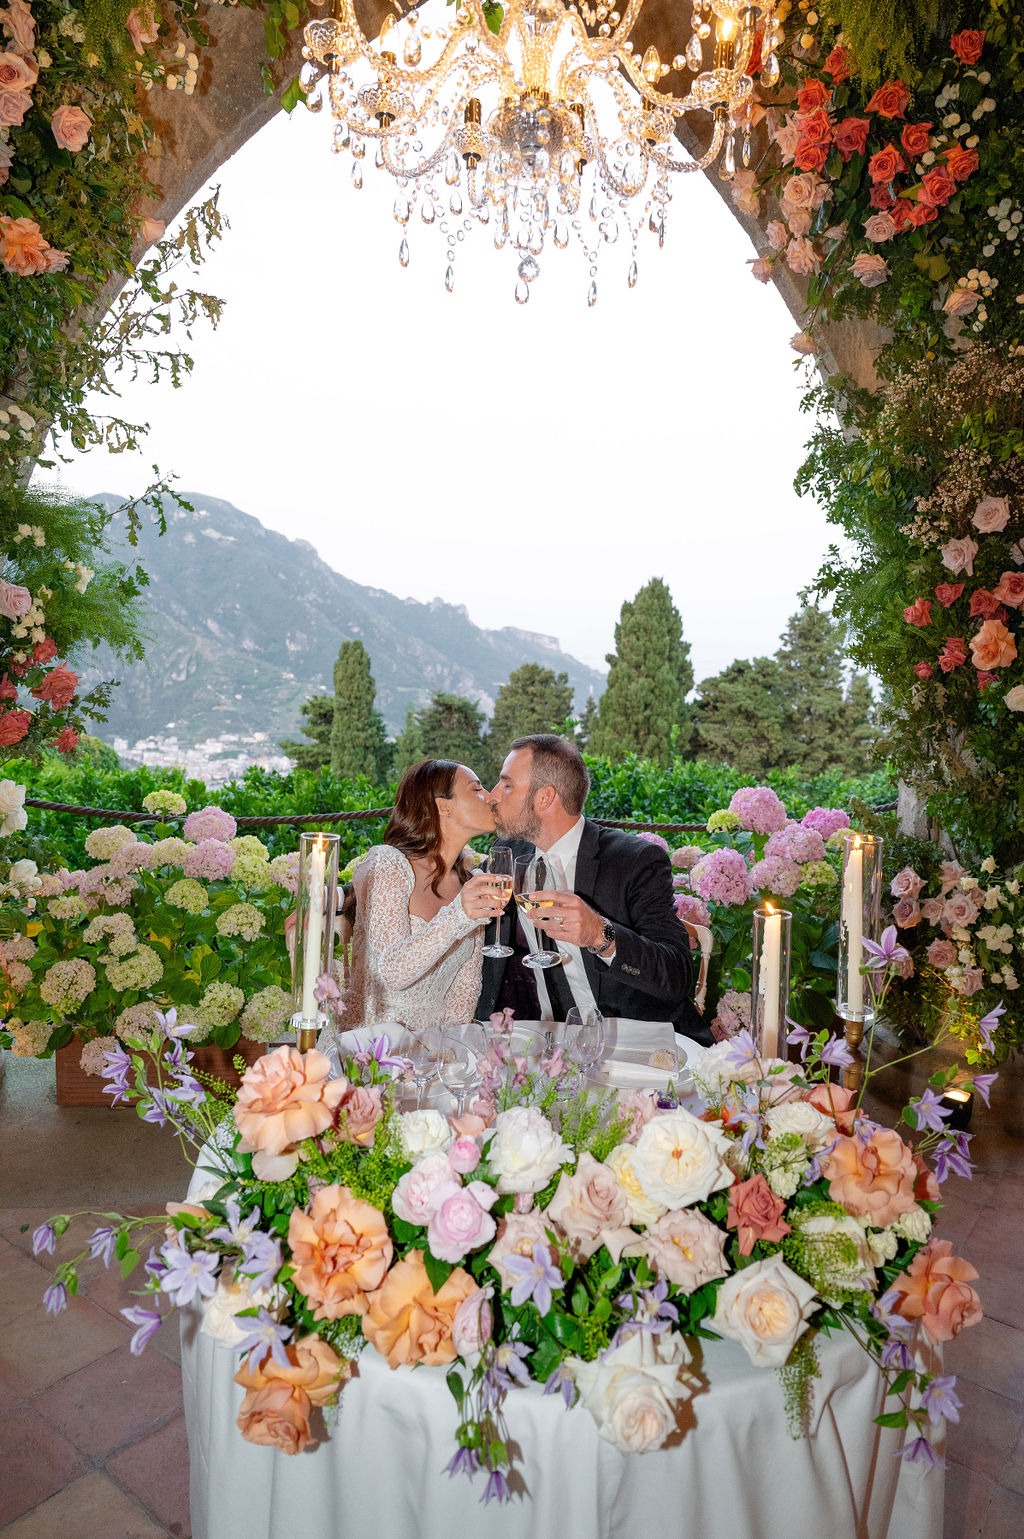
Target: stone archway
{"points": [[199, 133]]}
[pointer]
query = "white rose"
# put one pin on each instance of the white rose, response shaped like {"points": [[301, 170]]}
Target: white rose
{"points": [[423, 1132], [25, 873], [784, 1180], [680, 1160], [802, 1118], [857, 1273], [631, 1391], [641, 1208], [915, 1225], [525, 1151], [765, 1308], [13, 816], [883, 1245], [232, 1295]]}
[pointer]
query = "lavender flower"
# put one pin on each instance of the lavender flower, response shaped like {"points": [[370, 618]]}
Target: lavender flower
{"points": [[55, 1299], [101, 1244], [983, 1084], [117, 1067], [536, 1277], [43, 1239], [168, 1024], [266, 1336], [930, 1111], [920, 1451], [189, 1273], [988, 1024], [650, 1313], [562, 1383], [800, 1036], [465, 1461], [148, 1321], [261, 1260], [497, 1488], [939, 1400], [236, 1230], [836, 1054], [885, 953], [951, 1157]]}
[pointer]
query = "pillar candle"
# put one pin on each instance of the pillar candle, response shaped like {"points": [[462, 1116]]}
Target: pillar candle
{"points": [[314, 929], [853, 920]]}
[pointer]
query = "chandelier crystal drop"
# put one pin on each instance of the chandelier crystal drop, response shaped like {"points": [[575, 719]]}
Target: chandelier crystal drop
{"points": [[536, 119]]}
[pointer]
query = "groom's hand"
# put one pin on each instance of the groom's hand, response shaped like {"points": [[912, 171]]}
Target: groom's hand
{"points": [[570, 919]]}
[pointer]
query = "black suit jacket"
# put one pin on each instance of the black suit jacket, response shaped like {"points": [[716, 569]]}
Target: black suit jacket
{"points": [[629, 882]]}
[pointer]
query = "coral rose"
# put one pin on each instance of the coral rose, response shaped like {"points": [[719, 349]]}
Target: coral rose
{"points": [[852, 136], [755, 1213], [935, 1289], [991, 515], [407, 1321], [275, 1409], [58, 687], [890, 100], [285, 1097], [871, 1178], [937, 187], [960, 162], [948, 592], [993, 646], [811, 154], [814, 94], [71, 128], [66, 741], [985, 604], [924, 671], [14, 726], [919, 612], [886, 164], [967, 46], [914, 138], [838, 64], [341, 1251], [816, 127], [1010, 589]]}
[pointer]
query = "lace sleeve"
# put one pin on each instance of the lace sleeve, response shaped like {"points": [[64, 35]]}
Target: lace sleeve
{"points": [[460, 1005], [384, 885]]}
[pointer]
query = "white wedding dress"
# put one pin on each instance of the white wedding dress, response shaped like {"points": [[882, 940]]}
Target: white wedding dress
{"points": [[421, 972]]}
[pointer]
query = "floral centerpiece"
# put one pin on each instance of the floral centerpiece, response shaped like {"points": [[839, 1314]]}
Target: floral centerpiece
{"points": [[548, 1235], [756, 852], [197, 917]]}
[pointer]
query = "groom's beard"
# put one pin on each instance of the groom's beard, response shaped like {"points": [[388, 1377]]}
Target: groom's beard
{"points": [[525, 826]]}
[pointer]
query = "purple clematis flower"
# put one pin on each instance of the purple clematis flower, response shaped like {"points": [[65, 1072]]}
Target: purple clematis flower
{"points": [[982, 1084], [497, 1488], [920, 1451], [836, 1054], [265, 1336], [117, 1066], [43, 1239], [885, 953], [742, 1050], [930, 1111], [168, 1024], [536, 1277], [562, 1383], [148, 1321], [800, 1036], [261, 1260], [101, 1244], [465, 1461], [236, 1230], [55, 1299], [988, 1024], [939, 1400], [951, 1157], [189, 1274]]}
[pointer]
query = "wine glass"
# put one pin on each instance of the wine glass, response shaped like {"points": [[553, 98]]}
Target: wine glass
{"points": [[532, 876], [499, 864], [457, 1068], [422, 1051], [584, 1037]]}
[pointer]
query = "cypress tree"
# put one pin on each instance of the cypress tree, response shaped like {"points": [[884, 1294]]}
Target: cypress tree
{"points": [[358, 742], [533, 699], [408, 744], [811, 658], [740, 717], [314, 755], [643, 709], [450, 728]]}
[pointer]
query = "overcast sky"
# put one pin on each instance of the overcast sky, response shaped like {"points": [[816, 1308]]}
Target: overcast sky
{"points": [[536, 463]]}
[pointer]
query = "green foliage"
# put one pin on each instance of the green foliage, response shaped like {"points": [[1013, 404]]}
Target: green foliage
{"points": [[408, 749], [358, 742], [810, 658], [450, 728], [890, 36], [314, 754], [643, 709], [740, 716], [533, 699]]}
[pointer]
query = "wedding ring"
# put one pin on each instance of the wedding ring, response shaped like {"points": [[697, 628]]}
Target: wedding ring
{"points": [[561, 919]]}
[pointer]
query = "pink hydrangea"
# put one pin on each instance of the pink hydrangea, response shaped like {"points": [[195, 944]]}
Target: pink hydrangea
{"points": [[826, 820], [691, 910], [653, 838], [721, 876], [758, 809], [796, 843], [209, 860], [732, 1015], [133, 857], [686, 856], [776, 874], [209, 823]]}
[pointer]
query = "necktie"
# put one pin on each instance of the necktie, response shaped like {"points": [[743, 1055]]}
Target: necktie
{"points": [[558, 989]]}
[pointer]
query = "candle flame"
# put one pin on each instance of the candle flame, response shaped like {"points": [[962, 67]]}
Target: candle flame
{"points": [[856, 841], [320, 842], [770, 908]]}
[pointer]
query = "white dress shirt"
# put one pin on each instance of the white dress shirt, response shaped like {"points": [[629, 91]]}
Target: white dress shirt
{"points": [[561, 862]]}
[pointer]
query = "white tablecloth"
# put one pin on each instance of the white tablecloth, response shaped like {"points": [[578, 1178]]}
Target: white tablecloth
{"points": [[735, 1473]]}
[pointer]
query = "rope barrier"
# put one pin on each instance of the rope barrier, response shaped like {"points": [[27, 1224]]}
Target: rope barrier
{"points": [[299, 820]]}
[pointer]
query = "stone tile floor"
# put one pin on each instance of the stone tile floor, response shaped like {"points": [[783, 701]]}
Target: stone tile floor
{"points": [[92, 1440]]}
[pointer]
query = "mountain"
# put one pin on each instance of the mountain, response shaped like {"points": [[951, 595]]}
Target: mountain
{"points": [[245, 624]]}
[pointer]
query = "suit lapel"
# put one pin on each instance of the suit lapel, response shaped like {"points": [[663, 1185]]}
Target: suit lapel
{"points": [[586, 881]]}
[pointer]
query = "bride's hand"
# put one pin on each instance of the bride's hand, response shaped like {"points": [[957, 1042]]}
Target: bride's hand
{"points": [[481, 897]]}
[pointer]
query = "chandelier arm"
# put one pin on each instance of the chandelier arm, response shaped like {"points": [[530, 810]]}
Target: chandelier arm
{"points": [[398, 73], [432, 163], [604, 47], [666, 163], [618, 185], [677, 105]]}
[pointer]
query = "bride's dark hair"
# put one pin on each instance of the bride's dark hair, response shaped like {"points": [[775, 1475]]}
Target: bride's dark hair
{"points": [[415, 824]]}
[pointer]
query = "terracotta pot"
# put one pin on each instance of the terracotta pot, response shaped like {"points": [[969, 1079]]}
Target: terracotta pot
{"points": [[76, 1088]]}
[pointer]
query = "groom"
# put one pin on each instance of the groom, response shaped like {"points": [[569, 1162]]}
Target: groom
{"points": [[613, 917]]}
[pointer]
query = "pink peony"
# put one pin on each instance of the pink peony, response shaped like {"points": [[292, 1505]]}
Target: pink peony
{"points": [[958, 555], [991, 515], [870, 269], [412, 1197], [722, 877], [826, 820], [758, 809]]}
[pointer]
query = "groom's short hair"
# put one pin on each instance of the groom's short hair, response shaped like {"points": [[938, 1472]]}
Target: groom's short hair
{"points": [[557, 762]]}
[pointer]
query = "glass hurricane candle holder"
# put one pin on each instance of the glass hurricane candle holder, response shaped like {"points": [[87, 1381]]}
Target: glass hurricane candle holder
{"points": [[858, 921], [314, 933], [769, 983]]}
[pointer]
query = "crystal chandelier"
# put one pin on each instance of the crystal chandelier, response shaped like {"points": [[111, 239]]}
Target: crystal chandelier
{"points": [[536, 117]]}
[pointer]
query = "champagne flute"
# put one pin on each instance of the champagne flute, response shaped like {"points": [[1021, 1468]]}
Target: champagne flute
{"points": [[499, 864], [422, 1050], [584, 1037], [457, 1068], [531, 877]]}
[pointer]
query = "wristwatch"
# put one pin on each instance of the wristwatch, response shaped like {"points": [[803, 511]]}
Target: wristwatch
{"points": [[607, 942]]}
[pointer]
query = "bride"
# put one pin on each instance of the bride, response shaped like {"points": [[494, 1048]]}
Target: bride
{"points": [[420, 913]]}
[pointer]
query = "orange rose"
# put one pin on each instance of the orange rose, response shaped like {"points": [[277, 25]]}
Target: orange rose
{"points": [[1010, 589], [872, 1179], [890, 100], [341, 1250], [967, 46], [814, 94], [935, 1290], [810, 156], [284, 1097], [886, 164], [993, 646], [852, 136], [961, 163], [407, 1321], [834, 1101], [277, 1402], [838, 64], [914, 138], [937, 187]]}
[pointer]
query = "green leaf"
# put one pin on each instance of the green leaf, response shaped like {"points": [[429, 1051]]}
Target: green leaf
{"points": [[454, 1381], [129, 1261], [438, 1272], [494, 15], [892, 1419]]}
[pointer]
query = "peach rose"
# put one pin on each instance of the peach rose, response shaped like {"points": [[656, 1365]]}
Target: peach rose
{"points": [[890, 100], [407, 1321], [16, 73], [958, 555], [993, 646], [591, 1209], [23, 247], [1014, 698], [341, 1250], [907, 913], [872, 1178], [914, 138], [991, 515], [935, 1289], [799, 221], [1010, 589], [143, 27], [20, 26], [870, 269], [277, 1402], [285, 1097], [852, 136], [801, 191], [801, 256], [151, 229], [834, 1101], [360, 1109], [71, 128], [879, 227], [13, 107]]}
